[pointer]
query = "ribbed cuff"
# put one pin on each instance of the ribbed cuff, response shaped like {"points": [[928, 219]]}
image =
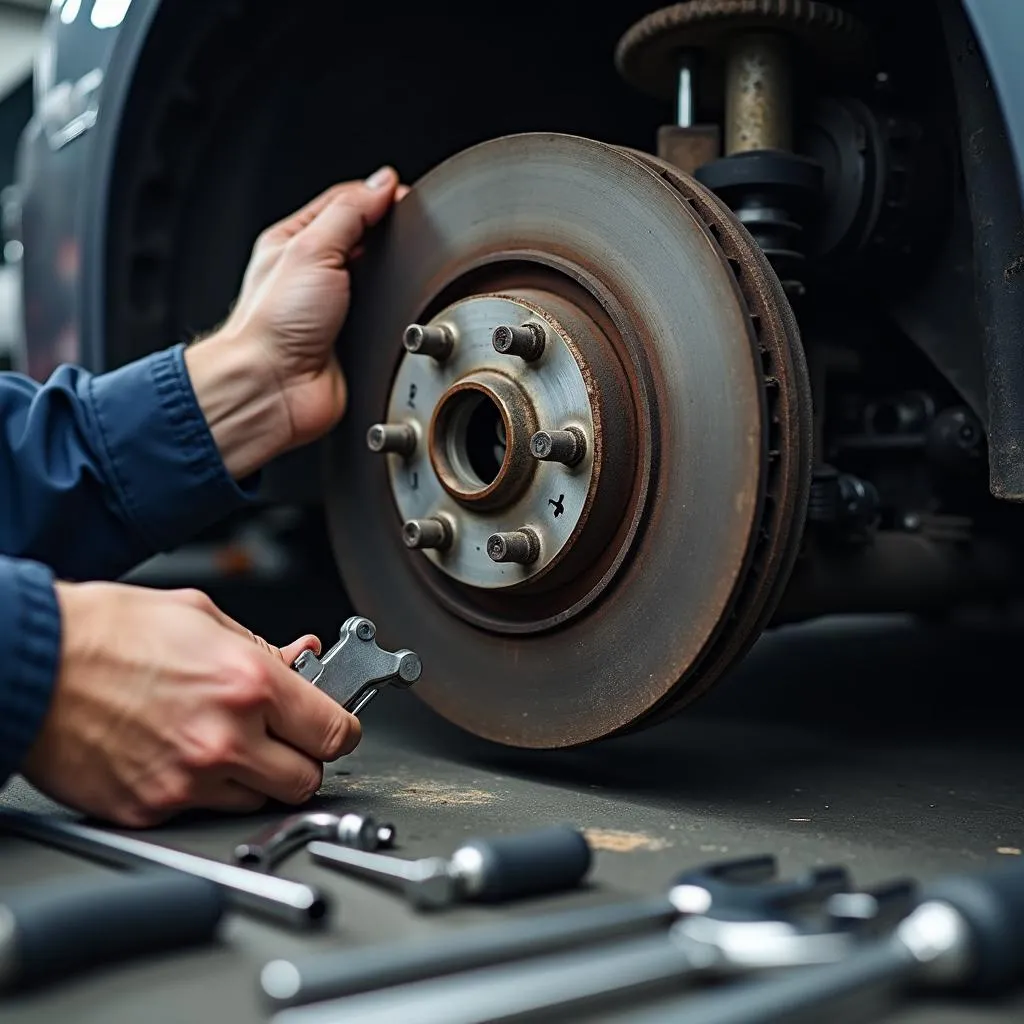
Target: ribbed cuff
{"points": [[30, 636], [159, 453]]}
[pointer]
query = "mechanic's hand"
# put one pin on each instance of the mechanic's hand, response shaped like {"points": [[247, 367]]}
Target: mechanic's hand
{"points": [[268, 379], [163, 703]]}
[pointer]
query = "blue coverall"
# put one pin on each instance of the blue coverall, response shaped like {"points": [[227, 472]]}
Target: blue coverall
{"points": [[97, 473]]}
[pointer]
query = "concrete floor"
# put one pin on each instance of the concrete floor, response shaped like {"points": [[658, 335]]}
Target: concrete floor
{"points": [[889, 747]]}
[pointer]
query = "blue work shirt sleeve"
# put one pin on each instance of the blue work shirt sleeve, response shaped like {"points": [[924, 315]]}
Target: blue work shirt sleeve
{"points": [[29, 656], [97, 473]]}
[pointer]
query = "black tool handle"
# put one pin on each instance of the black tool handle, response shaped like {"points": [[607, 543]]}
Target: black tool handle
{"points": [[55, 930], [550, 859], [992, 904]]}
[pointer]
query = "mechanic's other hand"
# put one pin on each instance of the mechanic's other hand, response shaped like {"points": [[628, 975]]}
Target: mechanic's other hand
{"points": [[163, 703], [268, 379]]}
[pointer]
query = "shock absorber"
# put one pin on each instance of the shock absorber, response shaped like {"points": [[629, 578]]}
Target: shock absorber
{"points": [[744, 59]]}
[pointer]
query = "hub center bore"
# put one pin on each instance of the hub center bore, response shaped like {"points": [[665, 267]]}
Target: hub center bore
{"points": [[480, 438], [492, 448]]}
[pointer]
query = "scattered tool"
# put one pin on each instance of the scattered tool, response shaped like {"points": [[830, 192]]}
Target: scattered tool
{"points": [[736, 921], [266, 850], [330, 975], [482, 870], [50, 930], [287, 902], [355, 668], [965, 935]]}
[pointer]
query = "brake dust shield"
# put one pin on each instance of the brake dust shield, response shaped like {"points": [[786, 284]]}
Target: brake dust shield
{"points": [[658, 556]]}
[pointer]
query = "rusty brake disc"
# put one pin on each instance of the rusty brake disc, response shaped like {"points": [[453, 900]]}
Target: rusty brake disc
{"points": [[671, 350]]}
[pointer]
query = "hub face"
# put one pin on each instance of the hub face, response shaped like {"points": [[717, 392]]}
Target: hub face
{"points": [[474, 415], [668, 327]]}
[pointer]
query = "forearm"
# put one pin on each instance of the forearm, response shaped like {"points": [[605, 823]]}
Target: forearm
{"points": [[239, 396], [30, 634]]}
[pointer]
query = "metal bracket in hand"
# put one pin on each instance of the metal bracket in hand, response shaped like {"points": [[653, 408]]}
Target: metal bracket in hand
{"points": [[355, 668]]}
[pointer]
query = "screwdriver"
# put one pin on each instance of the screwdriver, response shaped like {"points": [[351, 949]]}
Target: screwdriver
{"points": [[551, 859], [50, 931]]}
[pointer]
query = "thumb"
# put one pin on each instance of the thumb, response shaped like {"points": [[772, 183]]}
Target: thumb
{"points": [[293, 650], [340, 226]]}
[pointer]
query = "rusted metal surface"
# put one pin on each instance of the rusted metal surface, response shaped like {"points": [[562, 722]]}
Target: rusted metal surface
{"points": [[646, 56], [634, 621], [574, 577], [689, 148], [790, 450], [758, 93], [520, 424]]}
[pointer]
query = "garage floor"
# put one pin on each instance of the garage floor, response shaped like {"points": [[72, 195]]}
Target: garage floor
{"points": [[892, 748]]}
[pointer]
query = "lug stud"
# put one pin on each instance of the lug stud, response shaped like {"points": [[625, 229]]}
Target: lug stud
{"points": [[527, 341], [399, 438], [423, 534], [434, 341], [520, 546], [565, 446]]}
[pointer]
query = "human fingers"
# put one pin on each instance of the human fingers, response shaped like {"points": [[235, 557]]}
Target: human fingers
{"points": [[279, 771], [291, 225], [227, 795], [401, 192], [340, 227], [204, 603], [290, 652], [308, 719]]}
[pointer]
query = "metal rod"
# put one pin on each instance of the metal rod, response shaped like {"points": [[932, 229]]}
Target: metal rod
{"points": [[291, 903], [374, 865], [331, 975], [685, 101], [758, 95], [513, 991]]}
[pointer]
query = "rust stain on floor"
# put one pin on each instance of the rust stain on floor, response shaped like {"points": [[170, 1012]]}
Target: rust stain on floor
{"points": [[617, 841]]}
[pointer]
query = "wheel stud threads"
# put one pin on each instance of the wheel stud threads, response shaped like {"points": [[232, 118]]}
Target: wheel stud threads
{"points": [[433, 341], [422, 534], [565, 446], [399, 438], [527, 341], [520, 546]]}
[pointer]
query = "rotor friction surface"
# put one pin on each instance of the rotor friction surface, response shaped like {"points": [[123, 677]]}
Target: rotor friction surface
{"points": [[787, 388], [603, 218]]}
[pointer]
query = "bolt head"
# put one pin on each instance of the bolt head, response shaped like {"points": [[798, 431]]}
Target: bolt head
{"points": [[375, 438], [366, 630], [502, 339], [541, 445], [410, 668], [413, 338]]}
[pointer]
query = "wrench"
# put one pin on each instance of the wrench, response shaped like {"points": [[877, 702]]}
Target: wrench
{"points": [[355, 668], [739, 921], [266, 850]]}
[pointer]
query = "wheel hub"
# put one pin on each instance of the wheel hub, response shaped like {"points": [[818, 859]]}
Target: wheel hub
{"points": [[667, 346], [488, 425]]}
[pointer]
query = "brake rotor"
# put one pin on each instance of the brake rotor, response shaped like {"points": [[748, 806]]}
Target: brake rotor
{"points": [[641, 569]]}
